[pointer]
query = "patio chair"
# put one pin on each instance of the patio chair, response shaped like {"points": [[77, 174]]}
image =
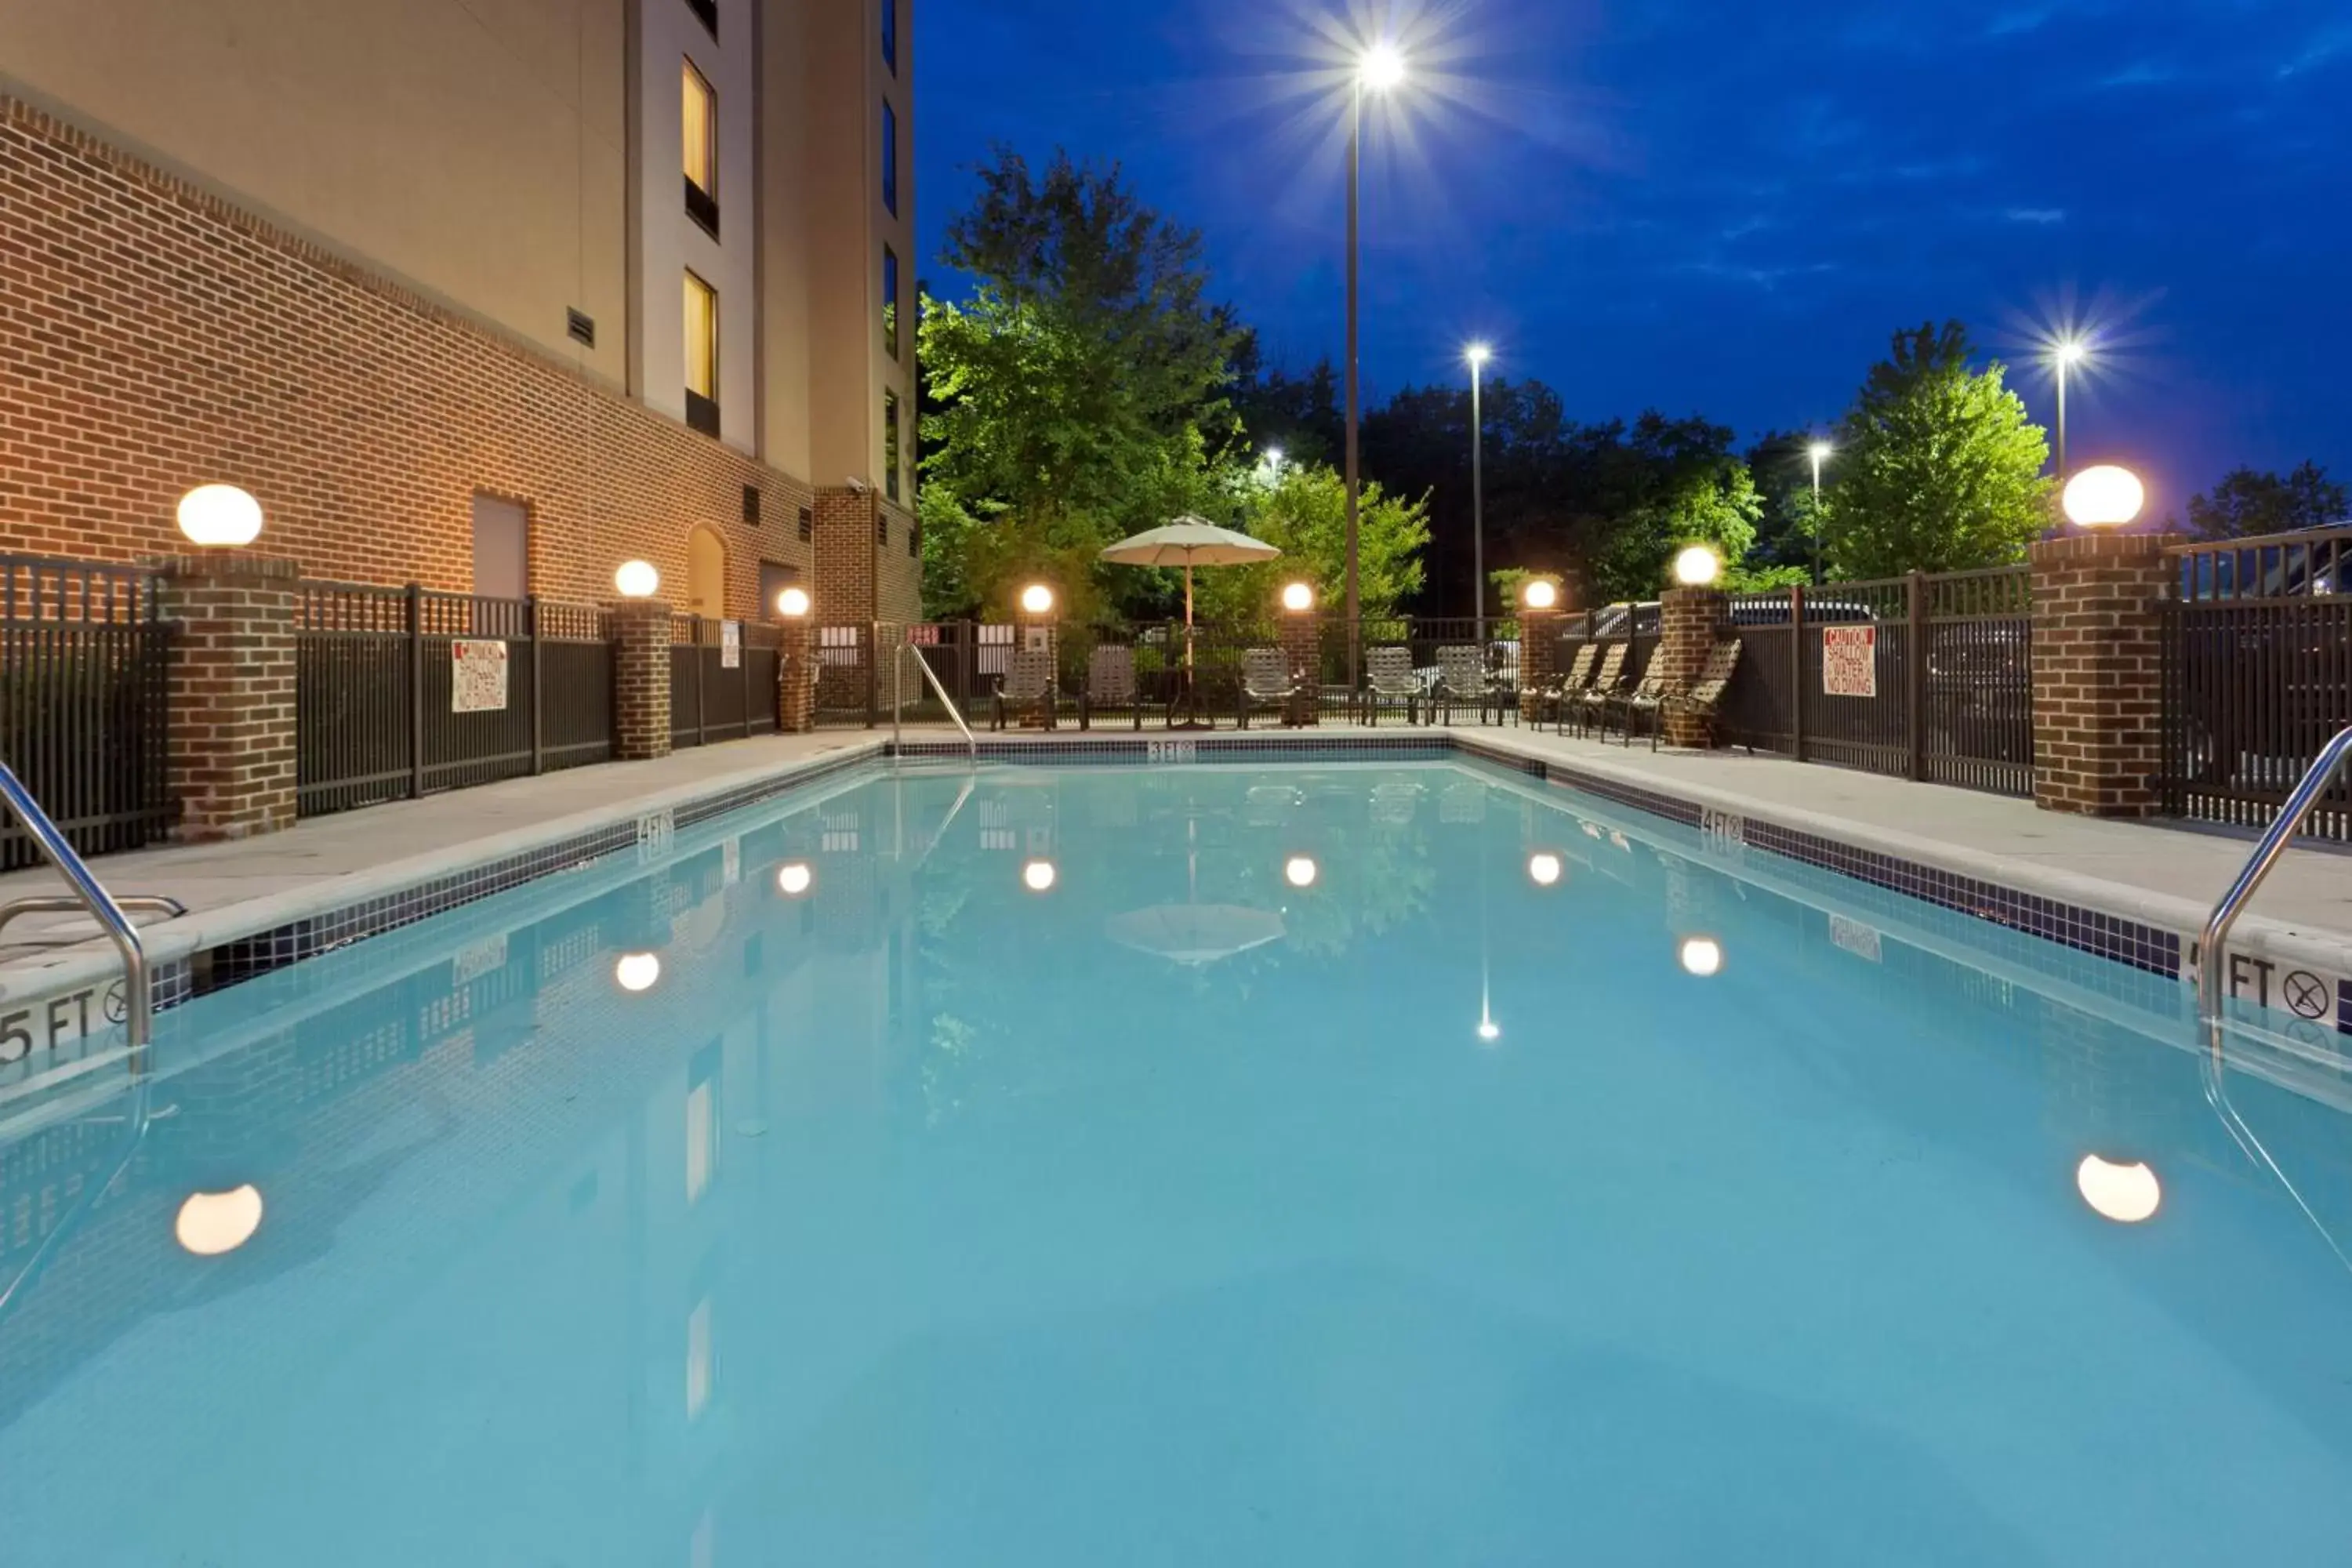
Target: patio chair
{"points": [[1111, 685], [1647, 698], [1545, 700], [1462, 677], [1389, 679], [1706, 696], [1031, 684], [1591, 703], [1267, 681]]}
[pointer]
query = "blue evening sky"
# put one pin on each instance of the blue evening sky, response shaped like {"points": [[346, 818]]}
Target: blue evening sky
{"points": [[1726, 208]]}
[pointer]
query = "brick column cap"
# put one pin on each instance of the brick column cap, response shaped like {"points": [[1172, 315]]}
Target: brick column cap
{"points": [[214, 564], [2074, 549]]}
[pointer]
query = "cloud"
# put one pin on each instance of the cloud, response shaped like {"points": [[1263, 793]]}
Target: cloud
{"points": [[2327, 47], [2141, 73], [2044, 215], [2009, 23]]}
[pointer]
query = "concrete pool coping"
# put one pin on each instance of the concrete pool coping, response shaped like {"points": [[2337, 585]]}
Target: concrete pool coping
{"points": [[235, 892]]}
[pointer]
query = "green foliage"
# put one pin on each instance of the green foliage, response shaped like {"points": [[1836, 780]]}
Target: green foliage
{"points": [[2247, 504], [1304, 514], [1938, 468], [1078, 397], [1711, 501]]}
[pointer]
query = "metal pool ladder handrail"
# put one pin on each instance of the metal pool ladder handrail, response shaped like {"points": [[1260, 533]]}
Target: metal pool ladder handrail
{"points": [[137, 996], [971, 742], [2211, 1003]]}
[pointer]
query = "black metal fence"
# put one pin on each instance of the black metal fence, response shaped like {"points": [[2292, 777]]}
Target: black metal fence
{"points": [[1927, 677], [83, 690], [2257, 677], [401, 693], [722, 679]]}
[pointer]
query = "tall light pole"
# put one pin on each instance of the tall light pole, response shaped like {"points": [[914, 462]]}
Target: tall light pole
{"points": [[1820, 452], [1478, 354], [2070, 353], [1382, 68]]}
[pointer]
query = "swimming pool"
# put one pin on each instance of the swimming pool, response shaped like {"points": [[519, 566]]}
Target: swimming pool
{"points": [[1401, 1162]]}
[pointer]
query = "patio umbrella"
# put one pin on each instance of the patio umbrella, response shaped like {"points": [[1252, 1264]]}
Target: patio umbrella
{"points": [[1190, 541]]}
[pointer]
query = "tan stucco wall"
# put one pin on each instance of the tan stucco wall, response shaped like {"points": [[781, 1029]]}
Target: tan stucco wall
{"points": [[476, 151]]}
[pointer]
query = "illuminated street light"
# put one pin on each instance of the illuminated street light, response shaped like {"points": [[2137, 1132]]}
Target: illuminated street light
{"points": [[2066, 353], [1381, 70], [1538, 593], [2105, 497], [792, 604], [1820, 452], [1478, 354], [1037, 599]]}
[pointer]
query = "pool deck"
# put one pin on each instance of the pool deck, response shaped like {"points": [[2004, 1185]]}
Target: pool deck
{"points": [[2166, 875]]}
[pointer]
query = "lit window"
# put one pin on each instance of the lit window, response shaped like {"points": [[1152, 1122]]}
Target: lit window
{"points": [[890, 158], [890, 302], [701, 355], [890, 444], [890, 35], [699, 138]]}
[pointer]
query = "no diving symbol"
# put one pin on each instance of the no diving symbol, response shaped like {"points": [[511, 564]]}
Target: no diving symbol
{"points": [[116, 1009], [2306, 994]]}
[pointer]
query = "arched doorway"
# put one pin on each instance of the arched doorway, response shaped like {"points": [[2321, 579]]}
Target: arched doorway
{"points": [[706, 574]]}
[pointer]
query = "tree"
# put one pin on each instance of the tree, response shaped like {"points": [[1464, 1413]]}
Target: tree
{"points": [[1303, 512], [1077, 396], [2247, 504], [1938, 468]]}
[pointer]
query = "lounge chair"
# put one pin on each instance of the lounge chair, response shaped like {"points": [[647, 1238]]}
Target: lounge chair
{"points": [[1647, 698], [1029, 686], [1111, 685], [1389, 678], [1267, 681], [1592, 703], [1706, 696], [1537, 702], [1462, 677]]}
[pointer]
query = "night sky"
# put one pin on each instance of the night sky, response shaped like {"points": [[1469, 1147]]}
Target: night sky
{"points": [[1726, 208]]}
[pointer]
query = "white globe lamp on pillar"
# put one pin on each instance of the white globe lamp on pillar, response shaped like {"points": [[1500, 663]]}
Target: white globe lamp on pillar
{"points": [[219, 517]]}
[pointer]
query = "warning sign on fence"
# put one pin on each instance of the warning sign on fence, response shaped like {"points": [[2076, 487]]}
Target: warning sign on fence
{"points": [[477, 677], [730, 645], [1850, 661]]}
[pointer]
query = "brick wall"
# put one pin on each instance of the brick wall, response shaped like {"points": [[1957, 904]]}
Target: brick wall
{"points": [[231, 740], [154, 337], [2098, 661], [641, 678], [861, 542]]}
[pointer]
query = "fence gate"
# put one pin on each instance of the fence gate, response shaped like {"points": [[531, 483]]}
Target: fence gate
{"points": [[2257, 677], [83, 687], [722, 679]]}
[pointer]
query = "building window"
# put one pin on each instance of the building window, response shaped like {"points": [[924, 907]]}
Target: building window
{"points": [[882, 528], [701, 355], [701, 138], [890, 158], [708, 11], [890, 303], [807, 528], [890, 444], [890, 35]]}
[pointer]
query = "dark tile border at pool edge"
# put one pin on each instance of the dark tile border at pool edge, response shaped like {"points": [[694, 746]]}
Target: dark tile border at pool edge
{"points": [[2126, 942]]}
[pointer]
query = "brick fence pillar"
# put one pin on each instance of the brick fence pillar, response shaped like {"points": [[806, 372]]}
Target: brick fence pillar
{"points": [[231, 720], [1302, 656], [796, 676], [1694, 621], [2098, 661], [1540, 635], [641, 659]]}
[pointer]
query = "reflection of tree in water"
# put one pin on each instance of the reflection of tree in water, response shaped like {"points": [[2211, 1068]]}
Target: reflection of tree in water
{"points": [[998, 999]]}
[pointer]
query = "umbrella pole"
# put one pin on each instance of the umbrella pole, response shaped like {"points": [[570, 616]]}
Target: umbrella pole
{"points": [[1188, 613]]}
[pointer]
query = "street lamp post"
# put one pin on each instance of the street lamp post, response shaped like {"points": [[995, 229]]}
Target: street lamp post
{"points": [[1820, 453], [1382, 68], [1479, 353], [2070, 354]]}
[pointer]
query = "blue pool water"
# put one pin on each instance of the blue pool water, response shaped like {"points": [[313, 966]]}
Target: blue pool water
{"points": [[1433, 1211]]}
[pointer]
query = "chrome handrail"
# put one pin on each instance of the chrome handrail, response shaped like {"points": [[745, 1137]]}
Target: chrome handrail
{"points": [[2211, 1003], [971, 742], [137, 996], [63, 904]]}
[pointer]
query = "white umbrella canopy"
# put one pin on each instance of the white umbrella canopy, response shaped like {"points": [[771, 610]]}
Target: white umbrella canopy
{"points": [[1190, 541]]}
